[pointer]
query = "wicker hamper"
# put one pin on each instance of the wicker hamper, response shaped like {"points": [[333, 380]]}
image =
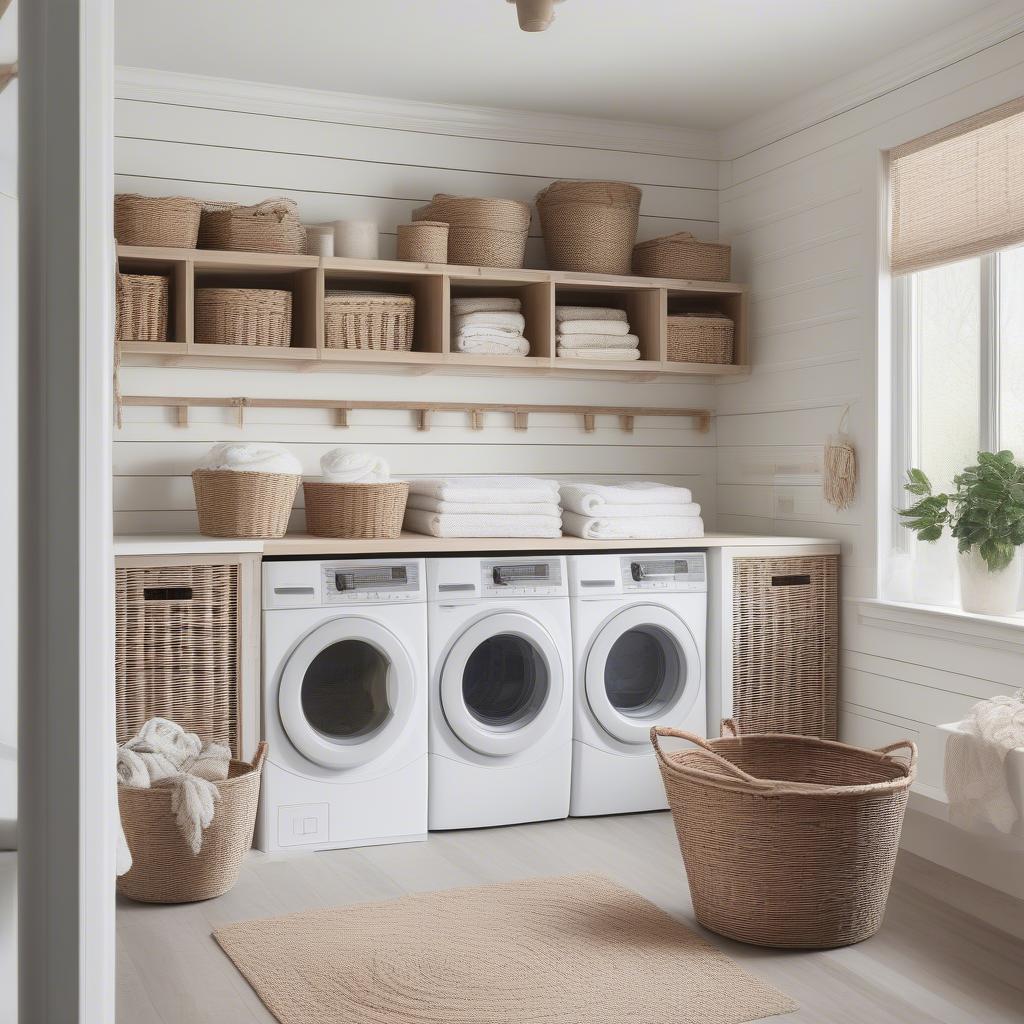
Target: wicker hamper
{"points": [[270, 226], [424, 241], [243, 504], [699, 338], [482, 232], [788, 841], [164, 869], [367, 511], [171, 221], [378, 321], [142, 307], [243, 316], [684, 257]]}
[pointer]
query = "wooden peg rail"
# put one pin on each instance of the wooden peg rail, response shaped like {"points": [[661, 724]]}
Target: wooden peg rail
{"points": [[626, 415]]}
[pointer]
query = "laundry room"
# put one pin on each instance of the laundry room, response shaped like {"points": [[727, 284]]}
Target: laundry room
{"points": [[506, 547]]}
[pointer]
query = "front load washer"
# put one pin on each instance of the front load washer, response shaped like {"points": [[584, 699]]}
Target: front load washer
{"points": [[344, 704], [639, 639], [500, 650]]}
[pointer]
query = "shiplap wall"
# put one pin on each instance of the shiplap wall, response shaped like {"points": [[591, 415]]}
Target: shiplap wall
{"points": [[215, 140]]}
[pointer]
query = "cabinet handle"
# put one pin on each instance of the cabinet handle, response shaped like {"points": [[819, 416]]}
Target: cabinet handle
{"points": [[791, 581], [167, 593]]}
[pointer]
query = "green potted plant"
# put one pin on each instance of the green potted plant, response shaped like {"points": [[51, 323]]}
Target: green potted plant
{"points": [[985, 513]]}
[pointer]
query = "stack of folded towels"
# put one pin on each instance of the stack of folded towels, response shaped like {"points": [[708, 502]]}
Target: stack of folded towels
{"points": [[639, 510], [595, 332], [483, 506], [493, 326]]}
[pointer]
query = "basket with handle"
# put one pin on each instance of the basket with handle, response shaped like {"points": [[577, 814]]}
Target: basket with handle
{"points": [[170, 221], [270, 226], [788, 841]]}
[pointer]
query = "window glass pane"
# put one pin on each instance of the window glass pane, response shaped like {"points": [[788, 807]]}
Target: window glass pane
{"points": [[1011, 350]]}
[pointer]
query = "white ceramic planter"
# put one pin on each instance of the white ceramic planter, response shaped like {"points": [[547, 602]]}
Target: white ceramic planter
{"points": [[989, 593]]}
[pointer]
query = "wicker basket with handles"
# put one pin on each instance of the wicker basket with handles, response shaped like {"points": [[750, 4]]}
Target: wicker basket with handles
{"points": [[243, 316], [684, 257], [164, 869], [424, 241], [171, 221], [142, 307], [244, 503], [699, 338], [270, 226], [482, 232], [365, 511], [377, 321], [788, 841]]}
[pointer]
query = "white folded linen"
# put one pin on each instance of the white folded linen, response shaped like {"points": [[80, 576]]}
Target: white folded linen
{"points": [[563, 313], [486, 331], [495, 318], [613, 355], [638, 528], [614, 327], [591, 341], [251, 457], [441, 524], [689, 511], [426, 503], [493, 345], [590, 498], [492, 490], [348, 466], [460, 307]]}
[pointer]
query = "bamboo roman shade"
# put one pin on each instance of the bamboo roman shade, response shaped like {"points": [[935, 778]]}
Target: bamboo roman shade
{"points": [[959, 191]]}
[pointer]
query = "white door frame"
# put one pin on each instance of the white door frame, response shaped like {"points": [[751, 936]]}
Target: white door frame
{"points": [[66, 797]]}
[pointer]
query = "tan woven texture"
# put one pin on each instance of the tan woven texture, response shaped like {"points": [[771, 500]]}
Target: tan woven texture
{"points": [[572, 950], [369, 320], [684, 257], [142, 307], [785, 668], [270, 226], [482, 232], [243, 504], [788, 841], [589, 226], [176, 650], [423, 242], [699, 339], [164, 869], [367, 511], [243, 316], [171, 221]]}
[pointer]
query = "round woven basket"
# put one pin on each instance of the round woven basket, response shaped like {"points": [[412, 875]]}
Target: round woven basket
{"points": [[243, 316], [142, 307], [171, 221], [366, 511], [164, 869], [270, 226], [376, 321], [683, 256], [788, 841], [243, 504], [693, 338], [425, 241], [482, 232]]}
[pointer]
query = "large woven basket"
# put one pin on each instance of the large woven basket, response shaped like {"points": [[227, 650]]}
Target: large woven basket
{"points": [[243, 504], [589, 226], [788, 841], [142, 307], [376, 321], [482, 232], [270, 226], [683, 256], [171, 221], [164, 869], [243, 316], [699, 338], [366, 511], [424, 241]]}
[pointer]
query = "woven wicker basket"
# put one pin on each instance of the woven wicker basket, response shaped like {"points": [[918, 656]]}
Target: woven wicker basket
{"points": [[171, 221], [164, 869], [481, 232], [425, 241], [243, 504], [367, 511], [243, 316], [683, 256], [377, 321], [700, 338], [589, 226], [142, 307], [788, 841], [270, 226]]}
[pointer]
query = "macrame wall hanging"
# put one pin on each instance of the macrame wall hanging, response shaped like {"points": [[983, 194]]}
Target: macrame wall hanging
{"points": [[840, 466]]}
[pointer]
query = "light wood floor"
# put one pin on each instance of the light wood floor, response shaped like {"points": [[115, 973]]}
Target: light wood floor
{"points": [[930, 962]]}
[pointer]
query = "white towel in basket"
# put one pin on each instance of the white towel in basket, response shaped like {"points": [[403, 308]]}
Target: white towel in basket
{"points": [[348, 466], [251, 457]]}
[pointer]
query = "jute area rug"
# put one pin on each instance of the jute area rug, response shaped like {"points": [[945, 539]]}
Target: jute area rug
{"points": [[577, 949]]}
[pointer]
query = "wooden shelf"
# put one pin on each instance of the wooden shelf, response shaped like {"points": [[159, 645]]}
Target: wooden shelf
{"points": [[646, 300]]}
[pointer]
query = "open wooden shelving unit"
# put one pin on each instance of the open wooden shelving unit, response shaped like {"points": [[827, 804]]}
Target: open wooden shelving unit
{"points": [[646, 300]]}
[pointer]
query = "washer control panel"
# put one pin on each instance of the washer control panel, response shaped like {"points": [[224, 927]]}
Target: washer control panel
{"points": [[522, 577], [313, 584], [678, 573]]}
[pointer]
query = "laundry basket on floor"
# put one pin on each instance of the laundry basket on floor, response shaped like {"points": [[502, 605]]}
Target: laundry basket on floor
{"points": [[788, 841]]}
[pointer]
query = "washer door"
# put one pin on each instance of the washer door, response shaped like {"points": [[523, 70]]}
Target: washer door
{"points": [[502, 684], [643, 669], [347, 692]]}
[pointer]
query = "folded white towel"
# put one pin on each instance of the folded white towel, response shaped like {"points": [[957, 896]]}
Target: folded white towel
{"points": [[348, 466], [511, 508], [460, 307], [638, 528], [440, 524], [486, 331], [495, 318], [498, 346], [563, 313], [591, 341], [593, 327], [492, 490], [688, 511], [589, 498], [613, 355], [250, 457]]}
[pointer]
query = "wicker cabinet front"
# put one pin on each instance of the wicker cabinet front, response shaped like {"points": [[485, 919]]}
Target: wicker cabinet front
{"points": [[786, 644], [177, 649]]}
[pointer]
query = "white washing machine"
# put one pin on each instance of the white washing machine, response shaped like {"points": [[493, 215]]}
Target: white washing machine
{"points": [[344, 704], [500, 651], [639, 639]]}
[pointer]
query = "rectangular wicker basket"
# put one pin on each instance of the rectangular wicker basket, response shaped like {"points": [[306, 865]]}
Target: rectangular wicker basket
{"points": [[684, 257], [142, 307], [700, 338], [243, 316], [375, 321]]}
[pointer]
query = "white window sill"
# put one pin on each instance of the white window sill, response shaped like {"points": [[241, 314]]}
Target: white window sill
{"points": [[942, 623]]}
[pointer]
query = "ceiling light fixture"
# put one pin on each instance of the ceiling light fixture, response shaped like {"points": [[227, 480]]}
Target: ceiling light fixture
{"points": [[535, 15]]}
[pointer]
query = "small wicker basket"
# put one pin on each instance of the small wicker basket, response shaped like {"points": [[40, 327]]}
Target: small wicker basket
{"points": [[365, 511], [164, 869], [270, 226], [377, 321], [684, 257], [482, 232], [424, 241], [700, 338], [243, 316], [142, 307], [244, 504], [171, 221]]}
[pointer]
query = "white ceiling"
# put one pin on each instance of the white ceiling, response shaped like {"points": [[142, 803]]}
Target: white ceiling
{"points": [[691, 63]]}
